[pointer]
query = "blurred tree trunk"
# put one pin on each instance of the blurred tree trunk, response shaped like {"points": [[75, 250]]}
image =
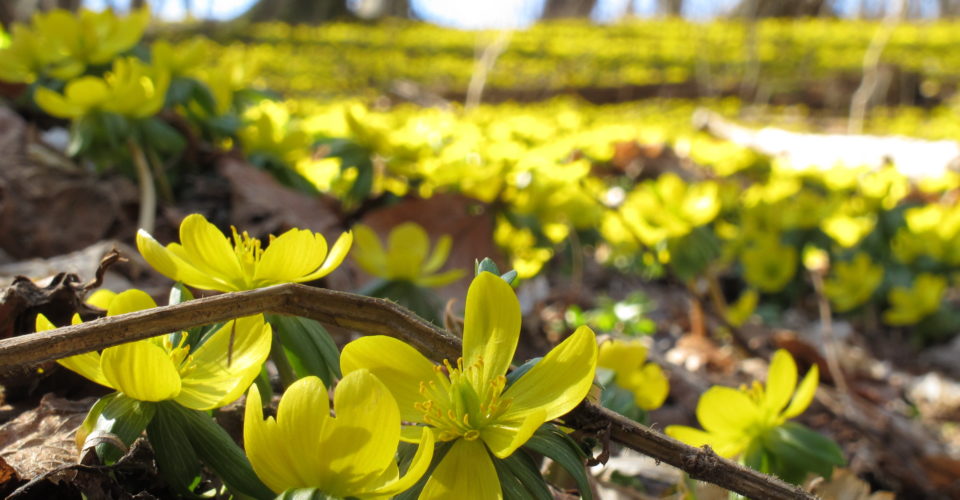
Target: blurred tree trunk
{"points": [[949, 8], [556, 9], [781, 8], [298, 11], [670, 7], [377, 9]]}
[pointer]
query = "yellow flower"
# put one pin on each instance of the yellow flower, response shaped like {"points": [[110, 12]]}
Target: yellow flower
{"points": [[910, 305], [627, 359], [179, 60], [156, 369], [131, 89], [469, 402], [205, 259], [350, 455], [405, 258], [733, 419], [853, 282], [62, 45], [768, 264]]}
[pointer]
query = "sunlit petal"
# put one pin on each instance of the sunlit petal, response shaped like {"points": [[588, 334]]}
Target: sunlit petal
{"points": [[805, 393], [337, 253], [291, 255], [560, 380], [442, 279], [400, 367], [130, 301], [465, 473], [211, 379], [271, 461], [141, 370], [505, 436], [101, 298], [208, 248], [491, 325], [726, 410], [781, 381], [364, 435], [418, 467]]}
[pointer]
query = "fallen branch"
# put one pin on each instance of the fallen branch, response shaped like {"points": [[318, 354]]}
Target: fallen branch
{"points": [[374, 316]]}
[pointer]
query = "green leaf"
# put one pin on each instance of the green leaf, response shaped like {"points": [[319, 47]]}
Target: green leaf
{"points": [[308, 346], [161, 136], [121, 418], [176, 460], [179, 293], [487, 264], [798, 447], [551, 442], [515, 374], [520, 479], [622, 401], [215, 448], [509, 276], [420, 300]]}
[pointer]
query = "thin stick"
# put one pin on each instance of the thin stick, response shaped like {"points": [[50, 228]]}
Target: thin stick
{"points": [[380, 317], [148, 191]]}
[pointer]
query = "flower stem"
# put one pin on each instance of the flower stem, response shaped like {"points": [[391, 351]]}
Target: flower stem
{"points": [[148, 192]]}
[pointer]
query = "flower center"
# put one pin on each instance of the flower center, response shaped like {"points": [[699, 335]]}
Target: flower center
{"points": [[458, 403], [248, 252]]}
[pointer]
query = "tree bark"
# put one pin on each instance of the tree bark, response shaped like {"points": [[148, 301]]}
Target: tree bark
{"points": [[299, 11], [559, 9]]}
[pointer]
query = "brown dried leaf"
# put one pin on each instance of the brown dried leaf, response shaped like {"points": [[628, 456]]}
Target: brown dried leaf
{"points": [[42, 439]]}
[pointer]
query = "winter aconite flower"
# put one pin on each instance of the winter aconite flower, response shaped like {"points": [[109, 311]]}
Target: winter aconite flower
{"points": [[853, 282], [910, 305], [733, 418], [158, 369], [130, 89], [469, 402], [206, 259], [627, 360], [347, 456], [406, 257]]}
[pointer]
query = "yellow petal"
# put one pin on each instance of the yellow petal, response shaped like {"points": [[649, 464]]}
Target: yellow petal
{"points": [[55, 104], [441, 279], [727, 410], [211, 380], [400, 367], [418, 467], [439, 255], [209, 251], [805, 393], [362, 440], [141, 370], [623, 357], [101, 298], [560, 380], [157, 256], [302, 417], [465, 473], [290, 256], [407, 248], [491, 325], [86, 364], [725, 446], [87, 92], [337, 253], [781, 381], [369, 254], [270, 457], [504, 436], [650, 387], [192, 276], [130, 301]]}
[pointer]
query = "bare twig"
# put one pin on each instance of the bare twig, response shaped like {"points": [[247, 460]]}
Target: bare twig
{"points": [[373, 316], [871, 66], [482, 67]]}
